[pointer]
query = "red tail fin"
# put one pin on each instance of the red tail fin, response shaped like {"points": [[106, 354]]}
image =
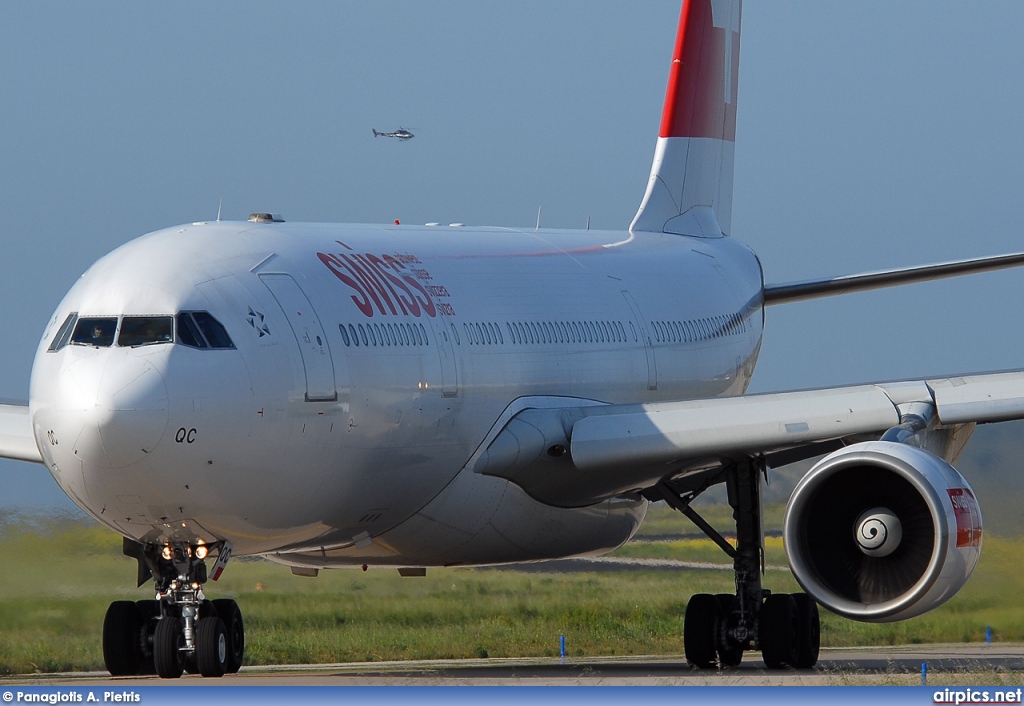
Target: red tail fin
{"points": [[690, 188]]}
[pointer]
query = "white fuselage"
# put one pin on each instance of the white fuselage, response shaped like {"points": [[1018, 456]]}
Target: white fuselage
{"points": [[369, 364]]}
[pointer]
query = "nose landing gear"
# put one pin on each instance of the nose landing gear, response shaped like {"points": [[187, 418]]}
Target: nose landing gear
{"points": [[180, 630]]}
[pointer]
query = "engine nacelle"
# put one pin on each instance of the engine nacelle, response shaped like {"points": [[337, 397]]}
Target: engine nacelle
{"points": [[881, 531]]}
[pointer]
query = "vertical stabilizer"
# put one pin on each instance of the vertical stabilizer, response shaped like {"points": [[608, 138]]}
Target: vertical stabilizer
{"points": [[690, 189]]}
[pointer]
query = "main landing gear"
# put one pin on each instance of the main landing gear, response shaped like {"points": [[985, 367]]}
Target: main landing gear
{"points": [[180, 630], [717, 629]]}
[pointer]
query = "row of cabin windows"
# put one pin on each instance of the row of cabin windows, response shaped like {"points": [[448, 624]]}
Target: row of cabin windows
{"points": [[534, 332], [541, 332], [698, 329], [603, 331], [195, 329], [384, 335], [483, 334]]}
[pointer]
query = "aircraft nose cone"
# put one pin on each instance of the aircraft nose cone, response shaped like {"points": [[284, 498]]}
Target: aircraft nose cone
{"points": [[125, 411]]}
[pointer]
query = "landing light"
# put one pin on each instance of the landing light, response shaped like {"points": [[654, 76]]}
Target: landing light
{"points": [[166, 552], [201, 552]]}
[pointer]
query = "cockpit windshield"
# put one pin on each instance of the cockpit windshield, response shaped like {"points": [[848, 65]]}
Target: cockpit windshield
{"points": [[95, 331], [195, 329], [143, 330]]}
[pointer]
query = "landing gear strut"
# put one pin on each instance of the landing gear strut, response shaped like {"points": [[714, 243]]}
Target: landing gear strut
{"points": [[717, 629], [180, 630]]}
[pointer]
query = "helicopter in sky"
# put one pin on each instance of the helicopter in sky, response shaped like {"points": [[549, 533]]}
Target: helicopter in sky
{"points": [[401, 133]]}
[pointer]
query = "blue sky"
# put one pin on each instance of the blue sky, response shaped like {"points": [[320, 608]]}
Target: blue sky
{"points": [[870, 135]]}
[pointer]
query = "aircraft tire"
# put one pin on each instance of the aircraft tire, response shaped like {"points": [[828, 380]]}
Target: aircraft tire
{"points": [[699, 623], [167, 643], [779, 629], [729, 654], [122, 626], [808, 635], [211, 647], [149, 615], [206, 609], [228, 611]]}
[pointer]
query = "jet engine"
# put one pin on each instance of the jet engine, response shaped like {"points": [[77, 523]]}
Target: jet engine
{"points": [[881, 531]]}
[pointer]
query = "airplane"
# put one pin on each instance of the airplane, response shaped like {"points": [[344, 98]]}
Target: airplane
{"points": [[337, 395], [401, 133]]}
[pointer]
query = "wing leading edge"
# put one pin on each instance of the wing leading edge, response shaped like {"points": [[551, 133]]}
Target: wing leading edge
{"points": [[834, 286], [16, 438], [575, 456]]}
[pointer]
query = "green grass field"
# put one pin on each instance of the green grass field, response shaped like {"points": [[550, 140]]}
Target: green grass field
{"points": [[57, 579]]}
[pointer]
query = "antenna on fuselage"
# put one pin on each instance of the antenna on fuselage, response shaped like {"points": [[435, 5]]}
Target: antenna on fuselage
{"points": [[539, 209], [219, 207]]}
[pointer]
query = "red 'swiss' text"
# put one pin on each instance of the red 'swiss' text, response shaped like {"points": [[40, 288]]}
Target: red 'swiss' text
{"points": [[388, 284]]}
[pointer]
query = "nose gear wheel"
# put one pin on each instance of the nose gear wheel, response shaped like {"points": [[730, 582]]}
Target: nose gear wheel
{"points": [[180, 630]]}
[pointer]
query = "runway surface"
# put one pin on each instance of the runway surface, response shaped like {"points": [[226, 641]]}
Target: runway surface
{"points": [[948, 665]]}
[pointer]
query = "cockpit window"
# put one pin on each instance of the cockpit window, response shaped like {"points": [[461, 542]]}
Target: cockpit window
{"points": [[215, 334], [199, 329], [188, 332], [144, 330], [64, 333], [196, 329], [95, 331]]}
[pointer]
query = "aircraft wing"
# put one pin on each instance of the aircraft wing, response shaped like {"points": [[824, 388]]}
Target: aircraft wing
{"points": [[833, 286], [574, 456], [16, 438]]}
